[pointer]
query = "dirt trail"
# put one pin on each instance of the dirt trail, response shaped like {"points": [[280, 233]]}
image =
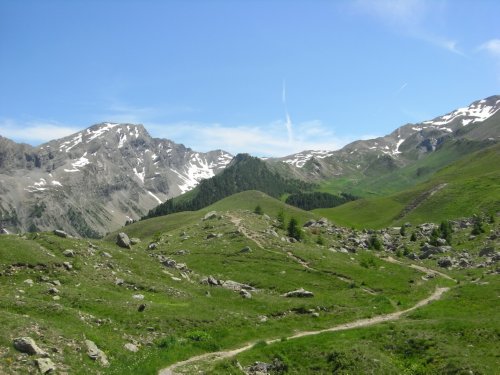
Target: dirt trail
{"points": [[341, 327], [419, 268], [251, 236]]}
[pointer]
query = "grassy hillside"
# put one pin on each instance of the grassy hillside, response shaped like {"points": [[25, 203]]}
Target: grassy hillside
{"points": [[247, 200], [97, 298], [383, 184], [465, 187]]}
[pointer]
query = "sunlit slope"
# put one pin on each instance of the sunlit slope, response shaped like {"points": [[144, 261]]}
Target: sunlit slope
{"points": [[465, 187]]}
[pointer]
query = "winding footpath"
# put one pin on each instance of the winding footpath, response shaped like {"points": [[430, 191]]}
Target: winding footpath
{"points": [[341, 327]]}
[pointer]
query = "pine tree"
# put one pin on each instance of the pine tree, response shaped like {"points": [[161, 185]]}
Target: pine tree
{"points": [[293, 229]]}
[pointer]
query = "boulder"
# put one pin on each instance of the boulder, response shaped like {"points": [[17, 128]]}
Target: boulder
{"points": [[233, 285], [445, 262], [210, 215], [487, 251], [135, 241], [68, 266], [138, 296], [131, 347], [69, 253], [246, 249], [309, 223], [302, 293], [152, 246], [122, 240], [245, 293], [45, 365], [28, 345], [141, 307], [96, 354], [60, 233], [212, 280]]}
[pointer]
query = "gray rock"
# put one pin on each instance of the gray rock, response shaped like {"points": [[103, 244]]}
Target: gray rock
{"points": [[68, 266], [122, 240], [135, 241], [213, 235], [131, 347], [138, 296], [152, 246], [210, 215], [486, 251], [53, 291], [45, 365], [96, 354], [29, 282], [69, 253], [61, 233], [245, 293], [309, 223], [212, 280], [445, 262], [233, 285], [246, 249], [28, 345], [119, 281], [302, 293]]}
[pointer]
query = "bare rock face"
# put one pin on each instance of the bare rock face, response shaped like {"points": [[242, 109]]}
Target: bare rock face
{"points": [[96, 354], [118, 170], [122, 240], [28, 345]]}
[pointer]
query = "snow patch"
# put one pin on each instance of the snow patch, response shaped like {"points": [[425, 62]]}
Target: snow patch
{"points": [[300, 159], [476, 112], [101, 130], [155, 197], [140, 175]]}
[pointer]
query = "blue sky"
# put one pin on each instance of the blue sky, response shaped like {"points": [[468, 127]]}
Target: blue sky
{"points": [[213, 74]]}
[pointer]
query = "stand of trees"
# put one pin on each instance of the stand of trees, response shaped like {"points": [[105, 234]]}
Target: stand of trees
{"points": [[311, 201]]}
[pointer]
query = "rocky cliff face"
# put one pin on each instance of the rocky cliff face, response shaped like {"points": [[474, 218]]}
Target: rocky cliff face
{"points": [[95, 180]]}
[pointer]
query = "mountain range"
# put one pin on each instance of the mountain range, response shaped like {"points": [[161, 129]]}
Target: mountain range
{"points": [[96, 180]]}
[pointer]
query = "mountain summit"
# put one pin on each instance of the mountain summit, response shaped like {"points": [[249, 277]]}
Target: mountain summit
{"points": [[95, 180]]}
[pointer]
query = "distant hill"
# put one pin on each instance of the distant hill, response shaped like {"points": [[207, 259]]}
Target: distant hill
{"points": [[463, 188], [244, 173]]}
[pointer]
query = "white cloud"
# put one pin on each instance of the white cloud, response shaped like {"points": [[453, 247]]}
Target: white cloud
{"points": [[269, 140], [492, 47], [261, 140], [411, 17], [35, 132]]}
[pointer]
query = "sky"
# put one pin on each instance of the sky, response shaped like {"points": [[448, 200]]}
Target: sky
{"points": [[270, 78]]}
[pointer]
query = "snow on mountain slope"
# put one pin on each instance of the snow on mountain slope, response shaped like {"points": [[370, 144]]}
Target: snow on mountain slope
{"points": [[393, 144], [95, 180]]}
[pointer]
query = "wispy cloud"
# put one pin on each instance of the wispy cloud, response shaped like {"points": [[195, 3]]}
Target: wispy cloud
{"points": [[492, 47], [35, 132], [260, 140], [411, 18]]}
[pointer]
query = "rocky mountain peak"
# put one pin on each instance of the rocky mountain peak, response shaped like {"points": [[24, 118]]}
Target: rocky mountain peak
{"points": [[95, 180]]}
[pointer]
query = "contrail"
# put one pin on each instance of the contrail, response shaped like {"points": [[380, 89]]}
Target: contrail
{"points": [[288, 122]]}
